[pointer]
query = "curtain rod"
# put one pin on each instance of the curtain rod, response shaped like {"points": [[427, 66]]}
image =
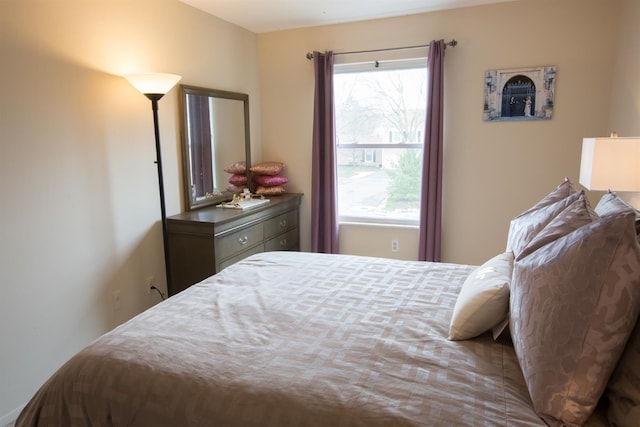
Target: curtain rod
{"points": [[452, 43]]}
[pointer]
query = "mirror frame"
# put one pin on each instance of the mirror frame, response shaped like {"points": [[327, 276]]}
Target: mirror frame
{"points": [[186, 165]]}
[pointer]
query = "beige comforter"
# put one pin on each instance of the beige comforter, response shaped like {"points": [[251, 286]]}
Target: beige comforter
{"points": [[294, 339]]}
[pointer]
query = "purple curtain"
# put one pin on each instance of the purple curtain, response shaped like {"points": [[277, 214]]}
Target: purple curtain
{"points": [[431, 197], [202, 167], [324, 205]]}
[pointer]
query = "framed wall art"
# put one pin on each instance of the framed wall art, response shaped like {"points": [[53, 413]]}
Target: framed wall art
{"points": [[519, 94]]}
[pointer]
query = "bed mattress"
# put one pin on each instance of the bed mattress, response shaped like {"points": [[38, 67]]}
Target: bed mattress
{"points": [[294, 339]]}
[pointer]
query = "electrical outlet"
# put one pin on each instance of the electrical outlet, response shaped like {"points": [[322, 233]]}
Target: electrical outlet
{"points": [[115, 299], [148, 283], [395, 246]]}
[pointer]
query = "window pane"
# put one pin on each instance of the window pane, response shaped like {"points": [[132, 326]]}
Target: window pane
{"points": [[383, 112], [379, 184], [380, 107]]}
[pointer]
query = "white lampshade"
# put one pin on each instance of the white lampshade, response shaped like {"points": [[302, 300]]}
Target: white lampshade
{"points": [[153, 83], [610, 164]]}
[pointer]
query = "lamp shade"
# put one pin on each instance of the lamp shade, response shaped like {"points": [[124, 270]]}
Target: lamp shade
{"points": [[153, 83], [610, 164]]}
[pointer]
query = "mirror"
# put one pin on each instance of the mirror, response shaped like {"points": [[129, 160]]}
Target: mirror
{"points": [[215, 134]]}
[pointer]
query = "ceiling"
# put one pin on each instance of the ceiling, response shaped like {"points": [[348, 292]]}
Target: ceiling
{"points": [[261, 16]]}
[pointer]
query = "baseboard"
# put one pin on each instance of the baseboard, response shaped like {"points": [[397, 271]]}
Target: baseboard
{"points": [[8, 419]]}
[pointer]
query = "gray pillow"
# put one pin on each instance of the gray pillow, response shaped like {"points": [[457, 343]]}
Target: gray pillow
{"points": [[573, 305], [525, 226], [610, 204], [517, 229], [564, 189], [623, 390], [574, 216]]}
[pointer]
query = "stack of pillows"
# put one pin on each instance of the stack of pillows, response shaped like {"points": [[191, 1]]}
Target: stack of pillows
{"points": [[268, 178], [238, 179], [266, 175], [568, 286]]}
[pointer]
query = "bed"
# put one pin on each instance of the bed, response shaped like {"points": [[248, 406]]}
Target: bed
{"points": [[300, 339]]}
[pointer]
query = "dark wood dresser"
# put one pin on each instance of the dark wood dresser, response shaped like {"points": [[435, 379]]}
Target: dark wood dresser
{"points": [[204, 241]]}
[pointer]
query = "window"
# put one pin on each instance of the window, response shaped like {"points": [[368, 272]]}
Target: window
{"points": [[380, 120]]}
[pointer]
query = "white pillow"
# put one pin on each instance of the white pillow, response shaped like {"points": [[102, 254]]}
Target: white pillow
{"points": [[483, 301]]}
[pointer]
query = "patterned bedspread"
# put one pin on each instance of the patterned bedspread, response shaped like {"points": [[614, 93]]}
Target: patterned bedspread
{"points": [[294, 339]]}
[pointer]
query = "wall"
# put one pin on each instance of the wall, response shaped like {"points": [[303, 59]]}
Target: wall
{"points": [[625, 96], [79, 213], [492, 171]]}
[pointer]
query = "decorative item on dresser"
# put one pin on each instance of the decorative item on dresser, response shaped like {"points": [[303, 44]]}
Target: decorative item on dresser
{"points": [[205, 241]]}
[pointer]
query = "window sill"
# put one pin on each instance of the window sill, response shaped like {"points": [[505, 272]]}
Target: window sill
{"points": [[372, 222]]}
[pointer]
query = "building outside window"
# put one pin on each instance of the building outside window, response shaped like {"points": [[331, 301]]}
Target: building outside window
{"points": [[380, 121]]}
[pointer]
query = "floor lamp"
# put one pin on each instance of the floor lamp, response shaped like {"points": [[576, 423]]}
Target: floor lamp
{"points": [[154, 86]]}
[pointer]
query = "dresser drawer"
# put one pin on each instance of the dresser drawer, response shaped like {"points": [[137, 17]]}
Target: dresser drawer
{"points": [[283, 242], [280, 224], [204, 241], [239, 241], [227, 262]]}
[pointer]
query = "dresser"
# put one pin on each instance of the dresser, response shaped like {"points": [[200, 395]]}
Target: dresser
{"points": [[204, 241]]}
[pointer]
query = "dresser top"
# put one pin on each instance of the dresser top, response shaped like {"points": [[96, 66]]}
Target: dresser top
{"points": [[215, 215]]}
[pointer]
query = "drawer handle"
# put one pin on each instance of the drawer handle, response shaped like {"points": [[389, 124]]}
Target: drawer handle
{"points": [[283, 243], [243, 240], [283, 223]]}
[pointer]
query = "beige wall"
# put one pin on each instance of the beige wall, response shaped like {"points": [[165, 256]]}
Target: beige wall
{"points": [[492, 171], [625, 96], [79, 213]]}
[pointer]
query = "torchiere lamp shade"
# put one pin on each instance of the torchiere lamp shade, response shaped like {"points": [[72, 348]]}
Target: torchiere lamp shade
{"points": [[153, 83]]}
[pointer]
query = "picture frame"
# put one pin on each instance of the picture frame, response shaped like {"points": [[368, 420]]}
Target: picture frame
{"points": [[519, 94]]}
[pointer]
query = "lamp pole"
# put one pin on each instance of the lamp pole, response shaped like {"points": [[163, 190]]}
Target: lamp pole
{"points": [[154, 86], [163, 209]]}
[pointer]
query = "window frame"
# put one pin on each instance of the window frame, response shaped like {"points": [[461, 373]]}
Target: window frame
{"points": [[412, 62]]}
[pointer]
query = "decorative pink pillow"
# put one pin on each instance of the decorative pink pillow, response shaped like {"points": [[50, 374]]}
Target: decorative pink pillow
{"points": [[269, 191], [235, 188], [268, 168], [238, 179], [270, 180], [237, 168]]}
